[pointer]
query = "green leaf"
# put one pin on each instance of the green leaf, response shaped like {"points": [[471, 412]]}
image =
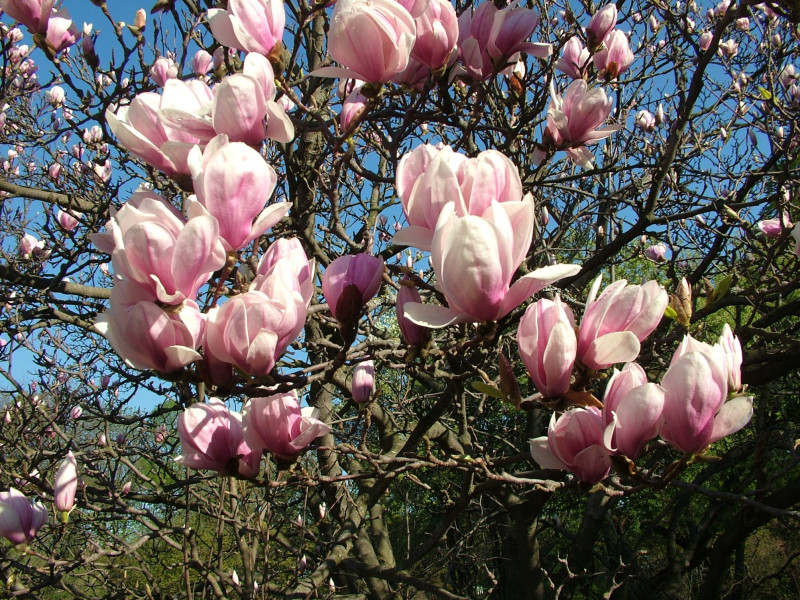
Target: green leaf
{"points": [[721, 289], [765, 93], [489, 390], [670, 313]]}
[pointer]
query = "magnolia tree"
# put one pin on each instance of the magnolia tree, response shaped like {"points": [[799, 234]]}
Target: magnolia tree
{"points": [[399, 299]]}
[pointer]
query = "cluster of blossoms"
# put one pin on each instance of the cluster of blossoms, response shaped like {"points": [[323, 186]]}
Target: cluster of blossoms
{"points": [[21, 519], [471, 215], [409, 41], [162, 129], [688, 409], [216, 438]]}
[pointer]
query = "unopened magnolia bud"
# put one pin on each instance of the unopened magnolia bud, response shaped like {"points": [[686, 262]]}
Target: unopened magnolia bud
{"points": [[508, 382], [681, 303], [140, 20]]}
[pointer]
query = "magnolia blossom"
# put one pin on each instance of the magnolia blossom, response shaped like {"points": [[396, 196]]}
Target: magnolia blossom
{"points": [[572, 121], [774, 228], [429, 178], [66, 483], [30, 245], [575, 442], [436, 32], [547, 344], [695, 412], [363, 382], [288, 251], [20, 518], [475, 258], [352, 107], [615, 323], [163, 69], [601, 24], [277, 423], [202, 62], [616, 56], [490, 38], [645, 120], [350, 282], [146, 130], [250, 25], [252, 330], [656, 252], [371, 40], [244, 106], [212, 438], [68, 220], [232, 183], [632, 410], [146, 335], [152, 245], [34, 14], [574, 58]]}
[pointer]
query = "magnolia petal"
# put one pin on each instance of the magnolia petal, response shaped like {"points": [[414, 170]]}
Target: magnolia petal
{"points": [[541, 453], [733, 415], [610, 349], [430, 315], [414, 235]]}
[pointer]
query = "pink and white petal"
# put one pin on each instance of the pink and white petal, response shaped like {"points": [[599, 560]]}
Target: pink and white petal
{"points": [[610, 349], [544, 457], [430, 315], [415, 236], [733, 415]]}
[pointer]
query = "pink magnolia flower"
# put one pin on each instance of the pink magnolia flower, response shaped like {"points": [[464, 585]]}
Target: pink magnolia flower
{"points": [[436, 32], [212, 438], [656, 252], [146, 335], [574, 442], [68, 220], [645, 120], [788, 76], [615, 58], [490, 38], [371, 40], [615, 323], [20, 518], [30, 245], [34, 14], [695, 412], [244, 106], [704, 41], [413, 334], [547, 344], [250, 25], [363, 382], [278, 424], [55, 96], [202, 62], [252, 330], [573, 59], [146, 127], [572, 121], [66, 484], [429, 178], [352, 107], [153, 246], [632, 410], [601, 24], [163, 69], [288, 251], [774, 228], [350, 282], [475, 258], [233, 182]]}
